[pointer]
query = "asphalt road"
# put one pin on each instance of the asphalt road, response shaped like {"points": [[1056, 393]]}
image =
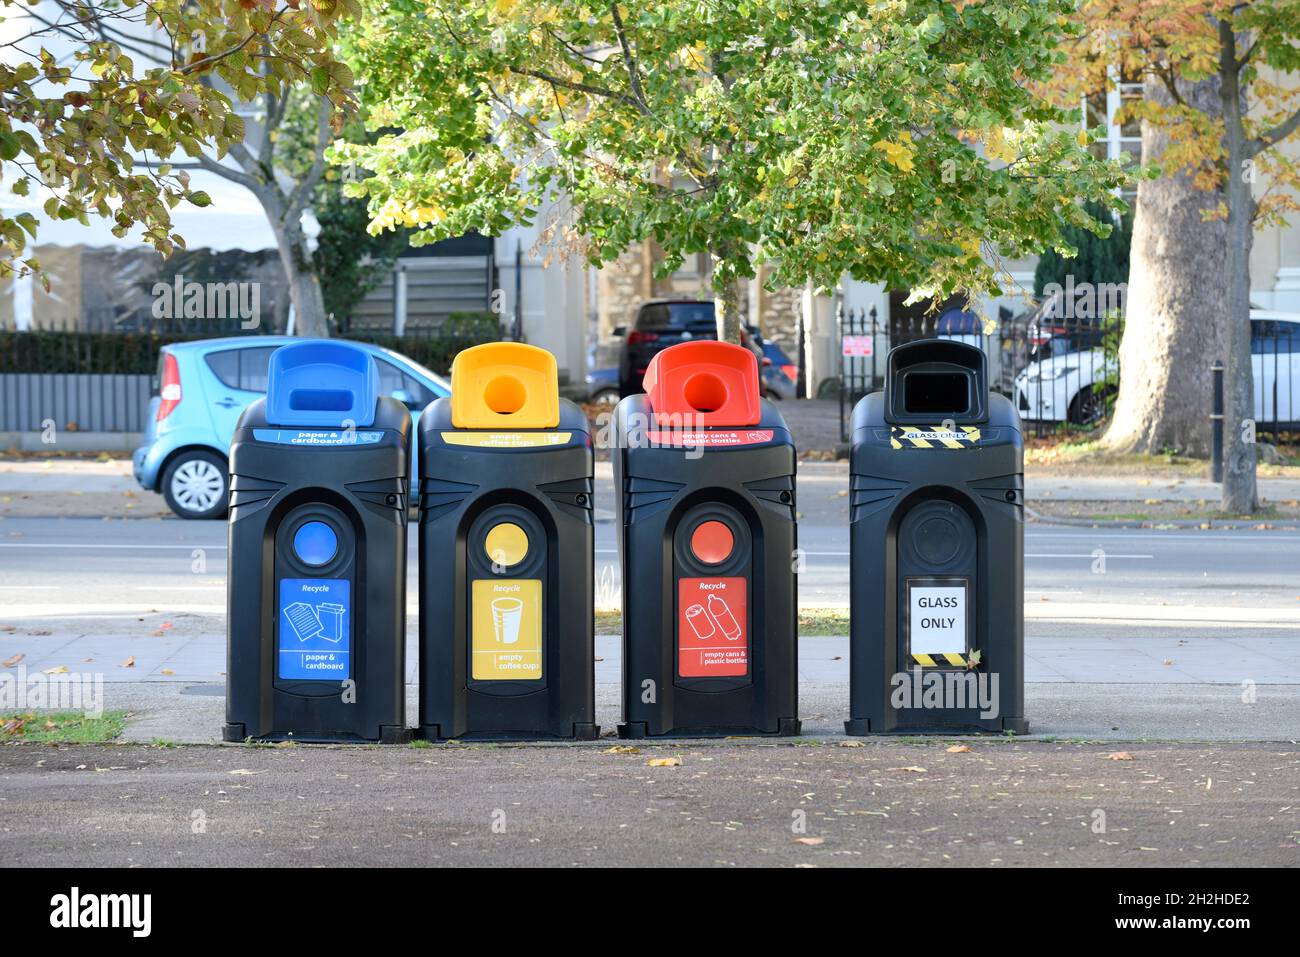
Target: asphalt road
{"points": [[103, 567], [891, 804]]}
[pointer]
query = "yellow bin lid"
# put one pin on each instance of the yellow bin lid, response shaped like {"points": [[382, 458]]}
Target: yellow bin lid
{"points": [[506, 385]]}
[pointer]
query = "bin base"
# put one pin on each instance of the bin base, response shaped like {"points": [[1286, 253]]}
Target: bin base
{"points": [[582, 731], [862, 726], [388, 734], [785, 728]]}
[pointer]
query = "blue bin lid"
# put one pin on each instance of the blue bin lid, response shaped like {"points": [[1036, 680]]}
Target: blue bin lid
{"points": [[321, 383]]}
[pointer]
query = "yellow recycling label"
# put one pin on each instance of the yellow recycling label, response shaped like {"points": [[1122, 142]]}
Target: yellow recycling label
{"points": [[506, 629], [507, 440]]}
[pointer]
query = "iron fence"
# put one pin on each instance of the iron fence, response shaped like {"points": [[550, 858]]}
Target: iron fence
{"points": [[1062, 373]]}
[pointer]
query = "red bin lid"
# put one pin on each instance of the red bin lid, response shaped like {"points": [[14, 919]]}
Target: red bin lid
{"points": [[704, 383]]}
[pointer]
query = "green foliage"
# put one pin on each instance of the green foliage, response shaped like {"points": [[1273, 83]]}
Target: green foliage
{"points": [[1096, 259], [898, 142], [94, 133], [349, 260]]}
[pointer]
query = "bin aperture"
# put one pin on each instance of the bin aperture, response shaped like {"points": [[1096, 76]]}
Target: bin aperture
{"points": [[506, 554], [705, 473], [936, 549], [317, 542]]}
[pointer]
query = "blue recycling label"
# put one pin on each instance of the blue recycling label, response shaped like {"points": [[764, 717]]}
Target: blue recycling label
{"points": [[318, 436], [315, 629]]}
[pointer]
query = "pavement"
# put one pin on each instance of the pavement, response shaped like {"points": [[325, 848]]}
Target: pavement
{"points": [[885, 803]]}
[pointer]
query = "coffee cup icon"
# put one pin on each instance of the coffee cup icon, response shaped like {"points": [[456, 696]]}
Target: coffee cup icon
{"points": [[506, 616]]}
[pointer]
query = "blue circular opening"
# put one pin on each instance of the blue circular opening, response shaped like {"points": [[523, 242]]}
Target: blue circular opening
{"points": [[316, 543]]}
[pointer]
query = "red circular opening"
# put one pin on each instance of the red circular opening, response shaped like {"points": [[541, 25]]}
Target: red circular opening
{"points": [[712, 542]]}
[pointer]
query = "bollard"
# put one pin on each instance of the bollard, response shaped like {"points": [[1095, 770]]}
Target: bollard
{"points": [[1216, 423]]}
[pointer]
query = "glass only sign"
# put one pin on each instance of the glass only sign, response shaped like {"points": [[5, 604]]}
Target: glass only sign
{"points": [[937, 616]]}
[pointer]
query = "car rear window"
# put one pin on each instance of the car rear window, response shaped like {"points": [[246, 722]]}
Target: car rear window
{"points": [[243, 369], [675, 315]]}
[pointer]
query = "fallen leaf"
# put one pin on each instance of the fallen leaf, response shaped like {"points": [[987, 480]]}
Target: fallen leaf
{"points": [[12, 727], [852, 744], [622, 749], [10, 662], [167, 671], [664, 762], [1119, 756], [129, 663], [911, 767], [56, 670], [959, 749], [811, 841]]}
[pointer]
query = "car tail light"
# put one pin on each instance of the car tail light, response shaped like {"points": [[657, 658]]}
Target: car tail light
{"points": [[636, 337], [791, 372], [170, 387]]}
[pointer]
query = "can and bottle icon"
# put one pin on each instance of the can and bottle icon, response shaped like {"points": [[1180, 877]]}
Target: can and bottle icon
{"points": [[706, 622]]}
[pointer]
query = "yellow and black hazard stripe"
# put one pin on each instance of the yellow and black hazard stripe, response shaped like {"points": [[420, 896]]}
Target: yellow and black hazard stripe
{"points": [[947, 659], [933, 437]]}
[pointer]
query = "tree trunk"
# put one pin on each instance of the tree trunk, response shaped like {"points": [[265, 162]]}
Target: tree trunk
{"points": [[304, 285], [1240, 494], [1176, 318], [726, 303]]}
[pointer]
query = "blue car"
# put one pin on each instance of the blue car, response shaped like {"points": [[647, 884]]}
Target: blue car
{"points": [[200, 390]]}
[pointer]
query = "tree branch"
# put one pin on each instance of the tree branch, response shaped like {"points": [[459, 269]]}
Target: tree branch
{"points": [[235, 176], [1280, 132], [306, 185]]}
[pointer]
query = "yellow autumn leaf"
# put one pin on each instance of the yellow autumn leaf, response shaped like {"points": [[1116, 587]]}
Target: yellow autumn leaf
{"points": [[1081, 138], [895, 153], [664, 762]]}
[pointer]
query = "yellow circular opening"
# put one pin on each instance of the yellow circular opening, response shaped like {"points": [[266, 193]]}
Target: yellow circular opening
{"points": [[506, 544], [505, 394], [705, 392]]}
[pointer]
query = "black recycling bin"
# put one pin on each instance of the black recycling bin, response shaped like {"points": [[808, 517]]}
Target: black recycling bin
{"points": [[704, 471], [937, 545], [506, 554], [316, 602]]}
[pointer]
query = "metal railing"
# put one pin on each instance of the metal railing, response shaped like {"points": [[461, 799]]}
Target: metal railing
{"points": [[1062, 373]]}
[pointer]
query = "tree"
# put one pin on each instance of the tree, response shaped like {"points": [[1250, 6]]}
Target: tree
{"points": [[1217, 104], [897, 142], [85, 127], [283, 170]]}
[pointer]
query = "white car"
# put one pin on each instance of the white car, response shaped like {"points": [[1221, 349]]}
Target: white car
{"points": [[1079, 386]]}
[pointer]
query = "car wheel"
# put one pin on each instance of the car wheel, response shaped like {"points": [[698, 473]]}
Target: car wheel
{"points": [[195, 485], [1091, 405], [608, 397]]}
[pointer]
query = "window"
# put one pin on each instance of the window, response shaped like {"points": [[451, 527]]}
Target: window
{"points": [[1274, 337], [243, 369], [1102, 109], [393, 381]]}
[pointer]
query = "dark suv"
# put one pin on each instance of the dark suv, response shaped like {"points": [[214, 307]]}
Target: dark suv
{"points": [[661, 323]]}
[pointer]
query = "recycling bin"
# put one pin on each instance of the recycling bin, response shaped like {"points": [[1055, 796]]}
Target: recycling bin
{"points": [[506, 553], [937, 544], [316, 613], [705, 474]]}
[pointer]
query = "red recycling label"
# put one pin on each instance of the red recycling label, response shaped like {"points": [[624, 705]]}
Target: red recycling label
{"points": [[711, 438], [712, 631]]}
